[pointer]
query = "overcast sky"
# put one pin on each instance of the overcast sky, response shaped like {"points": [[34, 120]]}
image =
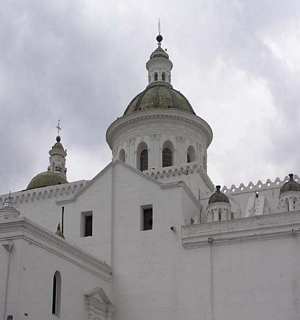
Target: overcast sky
{"points": [[82, 61]]}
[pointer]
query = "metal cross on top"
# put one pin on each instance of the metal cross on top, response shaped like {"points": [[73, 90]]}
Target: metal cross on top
{"points": [[58, 127]]}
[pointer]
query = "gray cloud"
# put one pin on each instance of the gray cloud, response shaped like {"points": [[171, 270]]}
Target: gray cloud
{"points": [[83, 62]]}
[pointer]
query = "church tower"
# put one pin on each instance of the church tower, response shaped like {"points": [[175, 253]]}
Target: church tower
{"points": [[56, 173], [159, 132]]}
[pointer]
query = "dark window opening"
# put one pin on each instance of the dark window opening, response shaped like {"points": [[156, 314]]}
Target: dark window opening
{"points": [[191, 156], [167, 157], [56, 294], [188, 158], [220, 216], [87, 224], [147, 218], [122, 155], [163, 76], [144, 160], [54, 307], [155, 76]]}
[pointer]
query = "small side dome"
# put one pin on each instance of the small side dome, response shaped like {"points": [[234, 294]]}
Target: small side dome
{"points": [[218, 196], [291, 185], [46, 179]]}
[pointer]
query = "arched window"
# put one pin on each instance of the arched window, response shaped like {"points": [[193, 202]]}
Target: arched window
{"points": [[167, 154], [56, 294], [155, 76], [142, 157], [190, 155], [122, 155], [219, 215], [163, 76]]}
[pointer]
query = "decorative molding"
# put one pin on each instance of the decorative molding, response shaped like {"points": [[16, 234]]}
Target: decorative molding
{"points": [[259, 186], [155, 136], [252, 228], [180, 139], [138, 117], [98, 305], [180, 170], [23, 228], [57, 191]]}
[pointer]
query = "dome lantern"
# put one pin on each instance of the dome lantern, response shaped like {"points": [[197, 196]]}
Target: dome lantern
{"points": [[56, 173], [159, 65]]}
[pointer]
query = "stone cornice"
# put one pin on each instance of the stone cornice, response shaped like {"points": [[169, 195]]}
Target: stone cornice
{"points": [[23, 228], [244, 229], [181, 170], [258, 186], [57, 191], [143, 116]]}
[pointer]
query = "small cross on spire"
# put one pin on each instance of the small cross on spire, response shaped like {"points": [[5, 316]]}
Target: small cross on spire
{"points": [[58, 127]]}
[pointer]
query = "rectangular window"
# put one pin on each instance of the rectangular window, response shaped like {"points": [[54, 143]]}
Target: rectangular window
{"points": [[87, 224], [146, 218]]}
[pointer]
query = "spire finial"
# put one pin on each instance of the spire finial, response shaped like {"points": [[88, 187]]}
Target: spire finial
{"points": [[158, 26], [58, 127], [159, 38]]}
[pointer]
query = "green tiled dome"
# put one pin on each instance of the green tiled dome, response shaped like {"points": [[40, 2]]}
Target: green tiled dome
{"points": [[46, 179], [291, 185], [159, 95], [218, 196]]}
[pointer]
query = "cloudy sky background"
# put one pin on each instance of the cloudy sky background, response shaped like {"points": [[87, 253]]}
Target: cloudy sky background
{"points": [[82, 61]]}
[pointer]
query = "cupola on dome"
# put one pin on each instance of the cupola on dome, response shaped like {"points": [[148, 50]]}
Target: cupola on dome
{"points": [[56, 173], [290, 185], [159, 94], [218, 196]]}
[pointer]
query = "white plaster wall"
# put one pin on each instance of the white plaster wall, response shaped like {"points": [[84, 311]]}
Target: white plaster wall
{"points": [[30, 286], [243, 280], [97, 198], [144, 262], [12, 297]]}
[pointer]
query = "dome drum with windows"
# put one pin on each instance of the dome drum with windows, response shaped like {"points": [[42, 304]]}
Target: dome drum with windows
{"points": [[159, 127]]}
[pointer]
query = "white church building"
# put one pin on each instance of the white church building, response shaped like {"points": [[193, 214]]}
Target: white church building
{"points": [[150, 237]]}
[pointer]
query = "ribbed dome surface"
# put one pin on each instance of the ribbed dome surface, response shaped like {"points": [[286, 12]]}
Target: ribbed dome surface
{"points": [[291, 185], [46, 179], [218, 196], [159, 96]]}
